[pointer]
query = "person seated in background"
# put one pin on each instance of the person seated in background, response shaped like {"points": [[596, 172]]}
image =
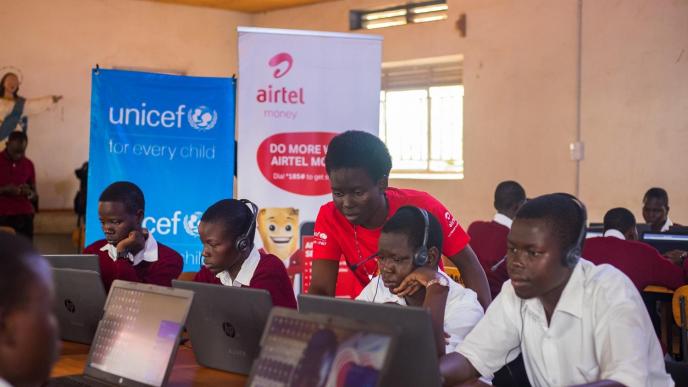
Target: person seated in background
{"points": [[656, 210], [408, 256], [17, 186], [227, 231], [129, 252], [347, 228], [29, 344], [488, 239], [575, 323], [640, 262]]}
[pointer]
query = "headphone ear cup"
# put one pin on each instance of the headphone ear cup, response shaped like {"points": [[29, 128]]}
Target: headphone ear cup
{"points": [[242, 244], [421, 257]]}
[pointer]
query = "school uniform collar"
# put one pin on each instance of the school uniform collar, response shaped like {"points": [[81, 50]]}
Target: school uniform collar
{"points": [[385, 296], [614, 234], [667, 225], [571, 300], [243, 278], [149, 253], [503, 220], [4, 383]]}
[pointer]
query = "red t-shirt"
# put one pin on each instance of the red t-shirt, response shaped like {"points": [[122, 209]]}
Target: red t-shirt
{"points": [[161, 272], [335, 239], [488, 240], [270, 275], [640, 262], [16, 173]]}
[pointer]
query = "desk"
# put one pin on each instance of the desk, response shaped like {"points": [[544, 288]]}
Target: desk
{"points": [[185, 372]]}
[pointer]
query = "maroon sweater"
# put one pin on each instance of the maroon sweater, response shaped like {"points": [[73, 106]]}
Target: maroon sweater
{"points": [[161, 272], [270, 275], [488, 240], [640, 262]]}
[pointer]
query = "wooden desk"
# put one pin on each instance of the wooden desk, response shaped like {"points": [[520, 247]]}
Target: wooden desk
{"points": [[658, 289], [185, 372]]}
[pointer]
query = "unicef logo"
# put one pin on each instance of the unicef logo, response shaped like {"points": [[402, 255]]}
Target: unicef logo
{"points": [[191, 223], [202, 118]]}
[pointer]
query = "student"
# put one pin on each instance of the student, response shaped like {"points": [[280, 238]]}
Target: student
{"points": [[227, 230], [574, 322], [656, 210], [488, 239], [17, 186], [408, 256], [129, 252], [640, 262], [358, 166], [28, 327]]}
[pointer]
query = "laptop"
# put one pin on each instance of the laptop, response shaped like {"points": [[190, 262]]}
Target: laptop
{"points": [[415, 364], [304, 349], [79, 300], [78, 261], [666, 241], [137, 339], [225, 324]]}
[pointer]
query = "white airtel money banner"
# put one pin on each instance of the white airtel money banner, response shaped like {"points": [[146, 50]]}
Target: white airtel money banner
{"points": [[297, 90]]}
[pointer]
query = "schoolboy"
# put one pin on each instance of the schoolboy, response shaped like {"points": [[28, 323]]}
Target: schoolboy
{"points": [[488, 239], [574, 322], [129, 252], [28, 327], [358, 166], [227, 230]]}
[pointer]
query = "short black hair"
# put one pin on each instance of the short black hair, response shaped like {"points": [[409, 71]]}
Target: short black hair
{"points": [[357, 149], [657, 193], [233, 214], [124, 192], [18, 136], [16, 273], [508, 194], [620, 219], [564, 217], [408, 221]]}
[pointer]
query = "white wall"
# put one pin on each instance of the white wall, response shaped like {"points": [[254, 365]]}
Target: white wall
{"points": [[56, 43]]}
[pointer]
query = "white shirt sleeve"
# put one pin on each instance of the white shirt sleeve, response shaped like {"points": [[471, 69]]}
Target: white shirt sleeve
{"points": [[460, 318], [367, 292], [495, 340]]}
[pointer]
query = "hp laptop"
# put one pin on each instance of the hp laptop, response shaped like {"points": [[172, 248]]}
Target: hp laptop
{"points": [[79, 261], [415, 363], [225, 324], [79, 301], [137, 339], [303, 349]]}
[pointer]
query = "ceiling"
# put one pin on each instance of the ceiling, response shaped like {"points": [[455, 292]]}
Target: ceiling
{"points": [[250, 6]]}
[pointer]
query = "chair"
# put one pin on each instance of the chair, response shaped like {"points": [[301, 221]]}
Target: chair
{"points": [[678, 306]]}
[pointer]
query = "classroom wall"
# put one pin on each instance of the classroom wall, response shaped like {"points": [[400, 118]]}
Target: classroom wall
{"points": [[520, 76], [56, 43]]}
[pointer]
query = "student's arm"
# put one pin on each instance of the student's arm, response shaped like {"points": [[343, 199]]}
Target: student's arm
{"points": [[472, 274], [324, 277], [664, 272], [164, 270], [456, 369], [326, 255], [272, 276]]}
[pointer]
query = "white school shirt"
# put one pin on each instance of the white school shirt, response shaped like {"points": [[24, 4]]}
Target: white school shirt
{"points": [[599, 330], [461, 312], [245, 274], [3, 383]]}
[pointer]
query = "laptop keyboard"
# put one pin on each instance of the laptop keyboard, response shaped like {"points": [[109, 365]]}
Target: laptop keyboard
{"points": [[75, 381]]}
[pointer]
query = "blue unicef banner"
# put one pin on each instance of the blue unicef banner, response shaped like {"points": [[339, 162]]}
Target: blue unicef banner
{"points": [[173, 136]]}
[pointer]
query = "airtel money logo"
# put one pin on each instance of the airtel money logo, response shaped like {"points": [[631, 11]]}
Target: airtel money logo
{"points": [[279, 59], [280, 95]]}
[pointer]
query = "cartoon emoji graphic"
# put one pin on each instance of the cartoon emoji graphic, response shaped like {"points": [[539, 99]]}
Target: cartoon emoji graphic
{"points": [[279, 231]]}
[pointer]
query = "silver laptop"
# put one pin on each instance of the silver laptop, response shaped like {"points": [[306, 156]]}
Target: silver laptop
{"points": [[415, 363], [225, 324], [79, 300], [308, 349], [74, 261], [137, 339]]}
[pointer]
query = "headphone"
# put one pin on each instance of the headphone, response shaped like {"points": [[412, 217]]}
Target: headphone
{"points": [[245, 240], [573, 253], [420, 258]]}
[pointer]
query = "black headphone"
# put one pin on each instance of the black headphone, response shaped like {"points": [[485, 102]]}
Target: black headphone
{"points": [[573, 253], [245, 240], [420, 258]]}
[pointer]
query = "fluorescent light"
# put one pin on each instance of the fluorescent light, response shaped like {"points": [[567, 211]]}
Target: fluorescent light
{"points": [[430, 8]]}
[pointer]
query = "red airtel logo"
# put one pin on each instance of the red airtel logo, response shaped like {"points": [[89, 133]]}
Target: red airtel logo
{"points": [[277, 60]]}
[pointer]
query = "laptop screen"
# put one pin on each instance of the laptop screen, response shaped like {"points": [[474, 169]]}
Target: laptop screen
{"points": [[665, 237], [313, 350], [138, 333]]}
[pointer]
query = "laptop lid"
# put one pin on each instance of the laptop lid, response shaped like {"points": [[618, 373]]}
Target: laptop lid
{"points": [[79, 300], [416, 363], [138, 336], [666, 241], [300, 349], [74, 261], [225, 324]]}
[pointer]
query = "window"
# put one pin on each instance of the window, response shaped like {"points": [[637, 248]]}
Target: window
{"points": [[421, 120], [418, 12]]}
